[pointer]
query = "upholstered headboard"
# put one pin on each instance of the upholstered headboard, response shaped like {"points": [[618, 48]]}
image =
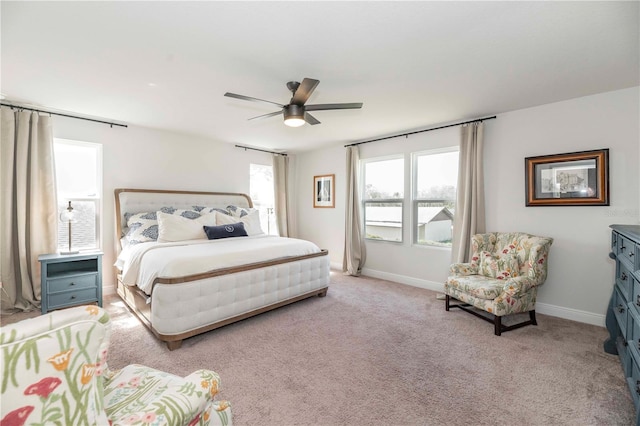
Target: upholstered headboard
{"points": [[151, 200]]}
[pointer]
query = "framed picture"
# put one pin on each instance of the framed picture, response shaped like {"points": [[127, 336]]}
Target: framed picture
{"points": [[573, 179], [324, 191]]}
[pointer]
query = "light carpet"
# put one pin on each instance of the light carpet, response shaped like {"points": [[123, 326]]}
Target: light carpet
{"points": [[377, 352]]}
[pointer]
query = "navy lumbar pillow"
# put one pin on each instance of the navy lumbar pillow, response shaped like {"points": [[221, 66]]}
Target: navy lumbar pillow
{"points": [[225, 231]]}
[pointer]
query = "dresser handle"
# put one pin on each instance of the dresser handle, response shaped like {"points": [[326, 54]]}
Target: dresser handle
{"points": [[73, 297], [622, 248], [630, 254], [620, 308], [638, 303], [623, 276], [72, 283], [638, 387]]}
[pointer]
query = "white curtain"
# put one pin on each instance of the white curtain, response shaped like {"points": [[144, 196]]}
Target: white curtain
{"points": [[355, 253], [469, 217], [28, 207], [281, 193]]}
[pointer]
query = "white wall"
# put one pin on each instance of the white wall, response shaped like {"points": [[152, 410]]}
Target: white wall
{"points": [[580, 273], [136, 157]]}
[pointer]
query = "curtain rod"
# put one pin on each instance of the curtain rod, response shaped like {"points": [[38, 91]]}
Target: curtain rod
{"points": [[421, 131], [63, 115], [261, 150]]}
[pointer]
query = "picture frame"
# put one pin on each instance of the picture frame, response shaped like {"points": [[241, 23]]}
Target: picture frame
{"points": [[571, 179], [324, 191]]}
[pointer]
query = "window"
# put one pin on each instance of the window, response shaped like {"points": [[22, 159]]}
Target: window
{"points": [[435, 176], [383, 198], [79, 180], [261, 192]]}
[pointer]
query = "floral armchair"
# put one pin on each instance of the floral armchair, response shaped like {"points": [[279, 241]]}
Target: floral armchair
{"points": [[54, 371], [502, 277]]}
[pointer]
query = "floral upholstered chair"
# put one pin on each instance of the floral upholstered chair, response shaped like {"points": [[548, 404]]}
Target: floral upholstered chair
{"points": [[54, 371], [502, 277]]}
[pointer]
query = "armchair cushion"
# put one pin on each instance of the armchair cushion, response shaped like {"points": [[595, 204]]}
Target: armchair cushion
{"points": [[498, 266]]}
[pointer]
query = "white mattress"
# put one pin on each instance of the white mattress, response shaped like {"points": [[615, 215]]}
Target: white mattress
{"points": [[142, 263]]}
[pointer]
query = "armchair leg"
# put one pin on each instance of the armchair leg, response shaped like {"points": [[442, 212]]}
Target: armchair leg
{"points": [[532, 317], [497, 325], [446, 302]]}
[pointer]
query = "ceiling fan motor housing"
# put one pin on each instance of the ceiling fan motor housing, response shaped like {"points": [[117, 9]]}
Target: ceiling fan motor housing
{"points": [[293, 111]]}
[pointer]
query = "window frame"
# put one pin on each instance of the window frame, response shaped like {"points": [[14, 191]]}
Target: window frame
{"points": [[97, 200], [366, 201], [414, 200]]}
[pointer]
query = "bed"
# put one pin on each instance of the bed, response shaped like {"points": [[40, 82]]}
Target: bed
{"points": [[180, 286]]}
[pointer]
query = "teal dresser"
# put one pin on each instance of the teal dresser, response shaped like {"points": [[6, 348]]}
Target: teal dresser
{"points": [[623, 315]]}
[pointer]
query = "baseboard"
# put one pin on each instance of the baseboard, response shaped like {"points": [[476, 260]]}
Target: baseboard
{"points": [[542, 308], [403, 279]]}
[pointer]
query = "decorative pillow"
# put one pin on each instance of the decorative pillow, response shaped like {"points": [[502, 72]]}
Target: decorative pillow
{"points": [[500, 267], [251, 222], [143, 227], [218, 209], [236, 211], [181, 228], [225, 231]]}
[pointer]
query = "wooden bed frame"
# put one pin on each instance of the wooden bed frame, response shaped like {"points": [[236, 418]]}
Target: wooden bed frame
{"points": [[136, 299]]}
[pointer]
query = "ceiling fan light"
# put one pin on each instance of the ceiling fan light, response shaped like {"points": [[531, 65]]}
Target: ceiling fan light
{"points": [[294, 115], [294, 121]]}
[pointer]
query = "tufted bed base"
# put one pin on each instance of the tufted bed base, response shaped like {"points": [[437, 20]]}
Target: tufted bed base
{"points": [[187, 306]]}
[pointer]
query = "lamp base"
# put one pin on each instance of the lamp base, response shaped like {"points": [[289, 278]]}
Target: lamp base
{"points": [[69, 252]]}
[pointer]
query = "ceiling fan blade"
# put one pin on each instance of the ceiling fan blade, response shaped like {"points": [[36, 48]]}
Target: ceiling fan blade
{"points": [[310, 119], [321, 107], [271, 114], [305, 90], [248, 98]]}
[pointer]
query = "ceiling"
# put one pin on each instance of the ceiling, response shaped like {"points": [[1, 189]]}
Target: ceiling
{"points": [[414, 65]]}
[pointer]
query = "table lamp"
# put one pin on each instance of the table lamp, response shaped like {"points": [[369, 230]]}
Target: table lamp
{"points": [[68, 216]]}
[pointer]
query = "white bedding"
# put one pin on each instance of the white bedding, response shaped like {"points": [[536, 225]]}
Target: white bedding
{"points": [[142, 263]]}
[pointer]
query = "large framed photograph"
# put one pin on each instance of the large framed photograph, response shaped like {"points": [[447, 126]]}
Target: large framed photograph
{"points": [[572, 179], [324, 191]]}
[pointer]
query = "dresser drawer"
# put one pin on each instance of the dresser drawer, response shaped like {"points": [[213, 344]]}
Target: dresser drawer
{"points": [[76, 282], [633, 380], [624, 355], [628, 250], [624, 281], [620, 309], [76, 297]]}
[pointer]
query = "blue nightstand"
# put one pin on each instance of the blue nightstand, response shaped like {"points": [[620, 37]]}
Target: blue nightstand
{"points": [[69, 280]]}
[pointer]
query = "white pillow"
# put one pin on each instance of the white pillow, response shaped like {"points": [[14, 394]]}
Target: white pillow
{"points": [[251, 222], [179, 228]]}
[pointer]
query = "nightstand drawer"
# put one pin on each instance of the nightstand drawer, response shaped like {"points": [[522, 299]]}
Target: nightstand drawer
{"points": [[77, 282], [58, 300]]}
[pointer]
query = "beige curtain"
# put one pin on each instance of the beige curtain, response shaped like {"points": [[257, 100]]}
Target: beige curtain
{"points": [[469, 216], [281, 193], [28, 207], [355, 253]]}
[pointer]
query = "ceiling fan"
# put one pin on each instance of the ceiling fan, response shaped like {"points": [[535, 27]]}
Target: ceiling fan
{"points": [[296, 113]]}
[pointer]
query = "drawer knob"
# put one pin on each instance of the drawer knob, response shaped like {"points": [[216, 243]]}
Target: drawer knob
{"points": [[623, 276], [638, 300], [73, 297], [638, 387], [72, 283], [631, 254], [620, 308], [622, 248]]}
